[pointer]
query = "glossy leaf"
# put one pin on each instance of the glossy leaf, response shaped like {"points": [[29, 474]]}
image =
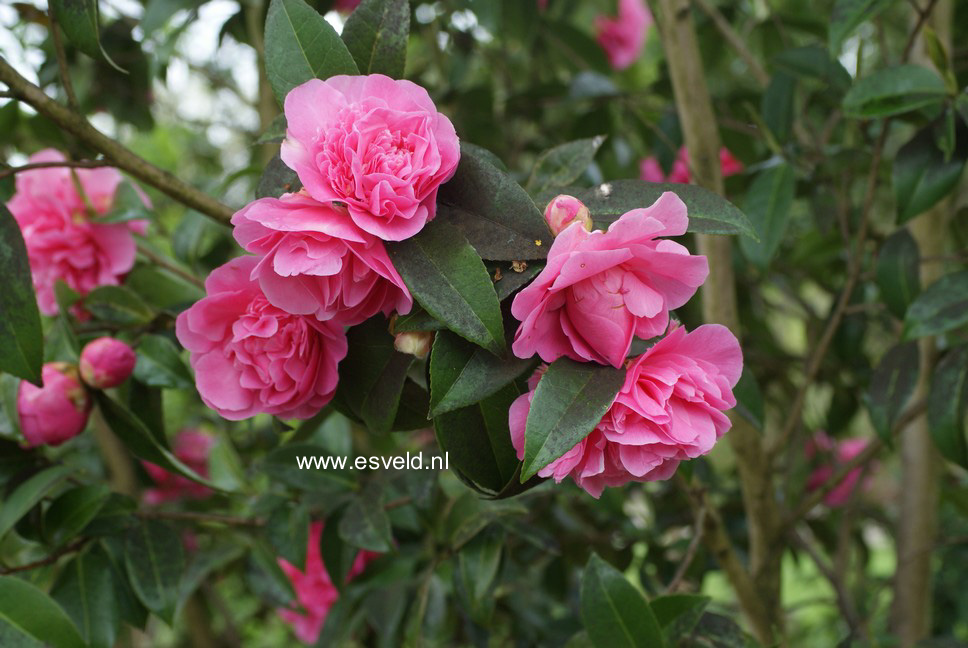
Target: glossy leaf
{"points": [[749, 399], [708, 212], [85, 589], [287, 530], [70, 512], [376, 36], [947, 404], [364, 523], [21, 336], [160, 364], [562, 165], [477, 568], [813, 62], [768, 202], [923, 175], [277, 179], [678, 614], [848, 16], [898, 264], [615, 614], [777, 105], [416, 320], [893, 91], [28, 494], [942, 306], [571, 399], [33, 614], [892, 385], [300, 45], [79, 21], [155, 560], [448, 279], [118, 305], [338, 555]]}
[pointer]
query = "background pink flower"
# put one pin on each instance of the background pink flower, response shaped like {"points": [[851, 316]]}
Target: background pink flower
{"points": [[376, 144], [601, 289], [56, 412], [670, 409], [250, 356], [831, 455], [192, 448], [623, 37], [316, 261], [651, 171], [346, 6], [62, 242], [314, 589]]}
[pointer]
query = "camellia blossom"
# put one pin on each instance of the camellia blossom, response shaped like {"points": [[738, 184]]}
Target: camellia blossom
{"points": [[651, 171], [250, 356], [564, 210], [56, 412], [623, 37], [670, 409], [314, 588], [375, 144], [106, 362], [599, 290], [316, 261], [62, 241], [192, 448], [832, 454]]}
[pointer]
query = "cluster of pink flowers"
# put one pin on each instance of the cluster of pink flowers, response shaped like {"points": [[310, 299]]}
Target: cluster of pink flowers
{"points": [[623, 36], [599, 291], [371, 153], [828, 455], [63, 240], [315, 591], [651, 171]]}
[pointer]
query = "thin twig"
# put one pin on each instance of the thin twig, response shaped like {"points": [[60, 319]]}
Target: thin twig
{"points": [[690, 555], [65, 74], [162, 262], [735, 41], [79, 164], [922, 18], [75, 546]]}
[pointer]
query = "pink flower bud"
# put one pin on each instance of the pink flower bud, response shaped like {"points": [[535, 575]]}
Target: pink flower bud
{"points": [[106, 362], [563, 210], [416, 343], [56, 412]]}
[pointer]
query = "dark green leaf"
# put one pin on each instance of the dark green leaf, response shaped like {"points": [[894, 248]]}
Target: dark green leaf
{"points": [[777, 105], [376, 35], [274, 132], [283, 464], [848, 15], [159, 12], [571, 399], [338, 556], [265, 578], [416, 320], [768, 203], [708, 212], [128, 206], [614, 612], [477, 568], [562, 165], [277, 179], [510, 280], [21, 337], [70, 513], [160, 364], [898, 264], [921, 174], [893, 91], [414, 408], [943, 306], [118, 305], [891, 386], [85, 589], [447, 277], [478, 441], [79, 21], [678, 614], [287, 530], [300, 45], [947, 402], [462, 374], [28, 494], [34, 614], [749, 399], [496, 215], [813, 62], [154, 560], [364, 523]]}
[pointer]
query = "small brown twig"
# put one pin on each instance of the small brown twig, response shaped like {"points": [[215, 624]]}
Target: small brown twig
{"points": [[690, 555], [922, 19], [75, 546], [65, 75], [79, 164], [162, 262]]}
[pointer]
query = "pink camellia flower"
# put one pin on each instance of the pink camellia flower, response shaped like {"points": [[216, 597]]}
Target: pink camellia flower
{"points": [[316, 261], [314, 588], [377, 145], [250, 356], [623, 37], [106, 362], [564, 210], [650, 171], [601, 289], [62, 242], [833, 454], [670, 409], [192, 448], [56, 412]]}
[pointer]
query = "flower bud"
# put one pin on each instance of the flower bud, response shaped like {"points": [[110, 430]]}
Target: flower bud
{"points": [[416, 343], [56, 412], [106, 362], [563, 210]]}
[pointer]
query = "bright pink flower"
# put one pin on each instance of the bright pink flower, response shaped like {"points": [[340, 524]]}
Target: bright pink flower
{"points": [[345, 6], [56, 412], [192, 448], [564, 210], [623, 37], [314, 589], [250, 356], [375, 144], [832, 455], [670, 409], [62, 242], [650, 171], [601, 289], [316, 261], [106, 362]]}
